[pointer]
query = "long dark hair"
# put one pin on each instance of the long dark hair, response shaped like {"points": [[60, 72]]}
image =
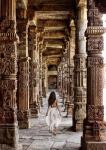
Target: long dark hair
{"points": [[52, 98]]}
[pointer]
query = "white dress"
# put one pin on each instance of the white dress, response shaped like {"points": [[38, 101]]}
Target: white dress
{"points": [[53, 119]]}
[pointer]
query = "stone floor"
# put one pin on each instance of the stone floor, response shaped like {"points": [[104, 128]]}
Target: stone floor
{"points": [[39, 138]]}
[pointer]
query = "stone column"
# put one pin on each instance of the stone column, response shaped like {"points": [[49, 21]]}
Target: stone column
{"points": [[63, 80], [94, 132], [80, 68], [8, 82], [23, 92], [71, 64], [40, 75], [68, 102], [59, 79], [70, 68], [44, 76], [23, 74], [32, 68]]}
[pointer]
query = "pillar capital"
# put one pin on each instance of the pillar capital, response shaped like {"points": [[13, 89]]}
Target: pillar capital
{"points": [[81, 3]]}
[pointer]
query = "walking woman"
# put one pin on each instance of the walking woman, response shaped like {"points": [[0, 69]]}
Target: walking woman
{"points": [[53, 118]]}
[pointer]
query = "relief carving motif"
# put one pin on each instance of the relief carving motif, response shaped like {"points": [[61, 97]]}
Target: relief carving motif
{"points": [[95, 113]]}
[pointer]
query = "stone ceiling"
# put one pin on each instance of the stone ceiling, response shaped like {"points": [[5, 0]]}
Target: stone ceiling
{"points": [[53, 16]]}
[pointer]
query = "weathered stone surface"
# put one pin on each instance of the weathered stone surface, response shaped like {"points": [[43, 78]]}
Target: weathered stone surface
{"points": [[79, 112], [94, 146], [94, 132]]}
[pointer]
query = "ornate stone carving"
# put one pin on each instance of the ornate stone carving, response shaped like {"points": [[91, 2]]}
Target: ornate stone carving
{"points": [[8, 85], [23, 117], [23, 87], [7, 26], [95, 62], [95, 113], [80, 69], [94, 126]]}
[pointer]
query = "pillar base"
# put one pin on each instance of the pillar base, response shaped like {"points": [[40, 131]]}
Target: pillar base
{"points": [[93, 146], [9, 136], [33, 113], [70, 110], [24, 124], [23, 119], [33, 110], [77, 126], [7, 147]]}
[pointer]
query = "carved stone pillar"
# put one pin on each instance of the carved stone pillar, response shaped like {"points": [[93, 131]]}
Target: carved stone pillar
{"points": [[59, 79], [40, 76], [44, 76], [23, 74], [8, 82], [23, 91], [68, 102], [70, 68], [94, 132], [32, 68], [80, 69], [63, 80], [71, 64]]}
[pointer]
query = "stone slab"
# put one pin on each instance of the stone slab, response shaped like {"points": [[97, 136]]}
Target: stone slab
{"points": [[40, 145], [94, 146], [58, 145]]}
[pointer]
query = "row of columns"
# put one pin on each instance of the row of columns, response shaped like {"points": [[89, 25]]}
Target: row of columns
{"points": [[72, 69], [88, 111]]}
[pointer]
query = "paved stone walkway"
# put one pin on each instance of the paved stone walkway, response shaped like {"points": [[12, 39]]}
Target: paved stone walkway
{"points": [[39, 138]]}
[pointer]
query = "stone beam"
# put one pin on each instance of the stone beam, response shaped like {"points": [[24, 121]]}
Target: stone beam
{"points": [[61, 15], [55, 28], [54, 46], [54, 35], [53, 41], [52, 60], [54, 56], [53, 50], [49, 7], [52, 21]]}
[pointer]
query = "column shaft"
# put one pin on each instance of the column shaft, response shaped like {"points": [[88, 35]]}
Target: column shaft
{"points": [[94, 133], [23, 74], [8, 82], [80, 70], [32, 69]]}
